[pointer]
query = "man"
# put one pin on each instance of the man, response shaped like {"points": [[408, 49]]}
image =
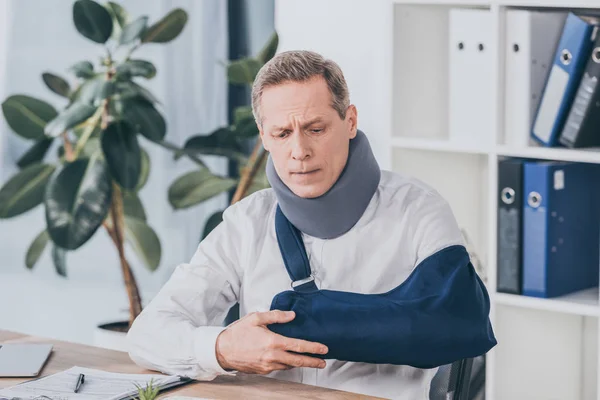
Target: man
{"points": [[365, 231]]}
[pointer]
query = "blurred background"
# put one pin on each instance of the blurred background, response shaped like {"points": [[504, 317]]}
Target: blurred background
{"points": [[194, 97], [494, 103]]}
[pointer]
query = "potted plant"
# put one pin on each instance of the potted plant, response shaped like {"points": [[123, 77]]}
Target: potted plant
{"points": [[100, 166], [197, 186]]}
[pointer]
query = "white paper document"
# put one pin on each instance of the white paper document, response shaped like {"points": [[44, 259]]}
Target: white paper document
{"points": [[98, 385]]}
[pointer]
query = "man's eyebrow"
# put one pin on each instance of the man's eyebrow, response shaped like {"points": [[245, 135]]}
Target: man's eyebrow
{"points": [[312, 121], [305, 125]]}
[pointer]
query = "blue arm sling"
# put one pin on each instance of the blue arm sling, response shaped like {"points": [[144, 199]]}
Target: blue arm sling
{"points": [[438, 315]]}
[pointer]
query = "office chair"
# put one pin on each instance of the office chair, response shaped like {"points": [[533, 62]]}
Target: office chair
{"points": [[452, 381]]}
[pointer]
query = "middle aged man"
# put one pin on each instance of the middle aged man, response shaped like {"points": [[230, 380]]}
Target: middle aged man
{"points": [[365, 231]]}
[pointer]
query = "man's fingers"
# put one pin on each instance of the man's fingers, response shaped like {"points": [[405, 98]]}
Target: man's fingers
{"points": [[273, 317], [279, 367], [297, 360], [301, 346]]}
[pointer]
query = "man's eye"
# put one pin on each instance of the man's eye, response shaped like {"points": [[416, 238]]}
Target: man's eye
{"points": [[283, 134], [319, 130]]}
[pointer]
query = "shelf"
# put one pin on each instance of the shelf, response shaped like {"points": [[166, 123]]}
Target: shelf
{"points": [[550, 153], [549, 3], [507, 3], [436, 145], [457, 3], [584, 302], [542, 153]]}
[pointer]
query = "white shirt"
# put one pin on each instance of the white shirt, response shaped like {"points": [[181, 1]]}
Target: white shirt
{"points": [[405, 222]]}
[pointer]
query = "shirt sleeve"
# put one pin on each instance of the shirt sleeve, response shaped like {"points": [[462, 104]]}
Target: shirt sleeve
{"points": [[177, 331], [434, 226]]}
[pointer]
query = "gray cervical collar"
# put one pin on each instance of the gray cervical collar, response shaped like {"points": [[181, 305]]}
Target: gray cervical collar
{"points": [[339, 209]]}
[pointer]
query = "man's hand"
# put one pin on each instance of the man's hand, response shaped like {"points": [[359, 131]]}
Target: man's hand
{"points": [[248, 346]]}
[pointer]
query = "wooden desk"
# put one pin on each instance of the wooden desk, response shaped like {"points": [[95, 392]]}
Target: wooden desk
{"points": [[66, 355]]}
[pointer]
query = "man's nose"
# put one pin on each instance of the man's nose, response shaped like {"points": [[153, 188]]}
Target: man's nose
{"points": [[300, 147]]}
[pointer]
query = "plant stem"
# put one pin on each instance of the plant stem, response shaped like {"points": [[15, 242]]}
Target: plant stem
{"points": [[88, 131], [68, 146], [117, 234], [105, 114], [256, 160]]}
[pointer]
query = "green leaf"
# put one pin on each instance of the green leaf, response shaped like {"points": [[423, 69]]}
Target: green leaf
{"points": [[91, 147], [178, 152], [219, 143], [36, 249], [144, 172], [243, 71], [244, 123], [149, 392], [212, 222], [123, 154], [83, 69], [59, 257], [145, 119], [197, 186], [130, 89], [92, 20], [242, 114], [25, 190], [57, 84], [106, 89], [132, 205], [36, 153], [132, 68], [119, 18], [77, 200], [27, 116], [133, 30], [94, 90], [68, 118], [167, 29], [144, 241], [269, 50]]}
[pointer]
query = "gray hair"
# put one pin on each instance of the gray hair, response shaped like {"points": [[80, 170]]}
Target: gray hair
{"points": [[300, 66]]}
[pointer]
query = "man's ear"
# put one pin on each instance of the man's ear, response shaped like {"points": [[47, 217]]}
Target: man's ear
{"points": [[352, 120]]}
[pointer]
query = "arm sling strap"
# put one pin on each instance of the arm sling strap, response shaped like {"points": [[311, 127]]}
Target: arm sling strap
{"points": [[438, 315]]}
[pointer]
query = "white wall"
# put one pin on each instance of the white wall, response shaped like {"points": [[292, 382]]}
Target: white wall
{"points": [[354, 34]]}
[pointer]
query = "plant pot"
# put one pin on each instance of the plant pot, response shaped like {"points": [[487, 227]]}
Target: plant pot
{"points": [[112, 335]]}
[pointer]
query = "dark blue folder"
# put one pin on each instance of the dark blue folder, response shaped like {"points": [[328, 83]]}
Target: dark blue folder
{"points": [[560, 227], [571, 55]]}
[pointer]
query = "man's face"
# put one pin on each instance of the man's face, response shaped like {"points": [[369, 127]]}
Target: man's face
{"points": [[307, 139]]}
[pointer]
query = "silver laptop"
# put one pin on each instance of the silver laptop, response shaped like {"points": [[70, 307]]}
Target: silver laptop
{"points": [[23, 359]]}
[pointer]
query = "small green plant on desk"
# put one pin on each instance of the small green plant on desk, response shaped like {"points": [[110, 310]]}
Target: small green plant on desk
{"points": [[148, 393]]}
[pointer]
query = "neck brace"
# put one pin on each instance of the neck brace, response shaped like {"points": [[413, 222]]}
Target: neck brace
{"points": [[438, 315], [339, 209]]}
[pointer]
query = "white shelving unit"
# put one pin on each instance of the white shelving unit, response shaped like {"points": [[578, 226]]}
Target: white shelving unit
{"points": [[394, 54], [548, 348]]}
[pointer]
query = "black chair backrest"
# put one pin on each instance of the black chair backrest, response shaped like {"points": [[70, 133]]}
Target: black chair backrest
{"points": [[452, 381]]}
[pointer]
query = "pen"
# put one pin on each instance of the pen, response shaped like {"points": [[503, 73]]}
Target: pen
{"points": [[80, 381]]}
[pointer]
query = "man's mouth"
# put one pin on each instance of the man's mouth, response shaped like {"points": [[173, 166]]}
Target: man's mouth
{"points": [[305, 172]]}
